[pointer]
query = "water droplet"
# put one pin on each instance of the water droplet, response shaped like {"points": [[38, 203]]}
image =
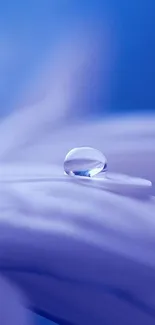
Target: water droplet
{"points": [[84, 161]]}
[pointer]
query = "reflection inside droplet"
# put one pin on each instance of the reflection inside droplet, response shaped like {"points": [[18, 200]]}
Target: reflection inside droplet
{"points": [[84, 161]]}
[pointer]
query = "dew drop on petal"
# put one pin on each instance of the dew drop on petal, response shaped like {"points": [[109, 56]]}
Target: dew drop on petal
{"points": [[84, 161]]}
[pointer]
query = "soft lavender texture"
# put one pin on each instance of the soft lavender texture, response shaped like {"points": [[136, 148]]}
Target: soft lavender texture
{"points": [[78, 253]]}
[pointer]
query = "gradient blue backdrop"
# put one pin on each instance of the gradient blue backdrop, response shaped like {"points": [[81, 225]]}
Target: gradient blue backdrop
{"points": [[28, 28]]}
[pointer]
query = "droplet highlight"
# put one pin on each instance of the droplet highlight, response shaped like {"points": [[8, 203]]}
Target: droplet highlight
{"points": [[84, 161]]}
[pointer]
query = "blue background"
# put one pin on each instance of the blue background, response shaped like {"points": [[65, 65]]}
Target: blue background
{"points": [[30, 27]]}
